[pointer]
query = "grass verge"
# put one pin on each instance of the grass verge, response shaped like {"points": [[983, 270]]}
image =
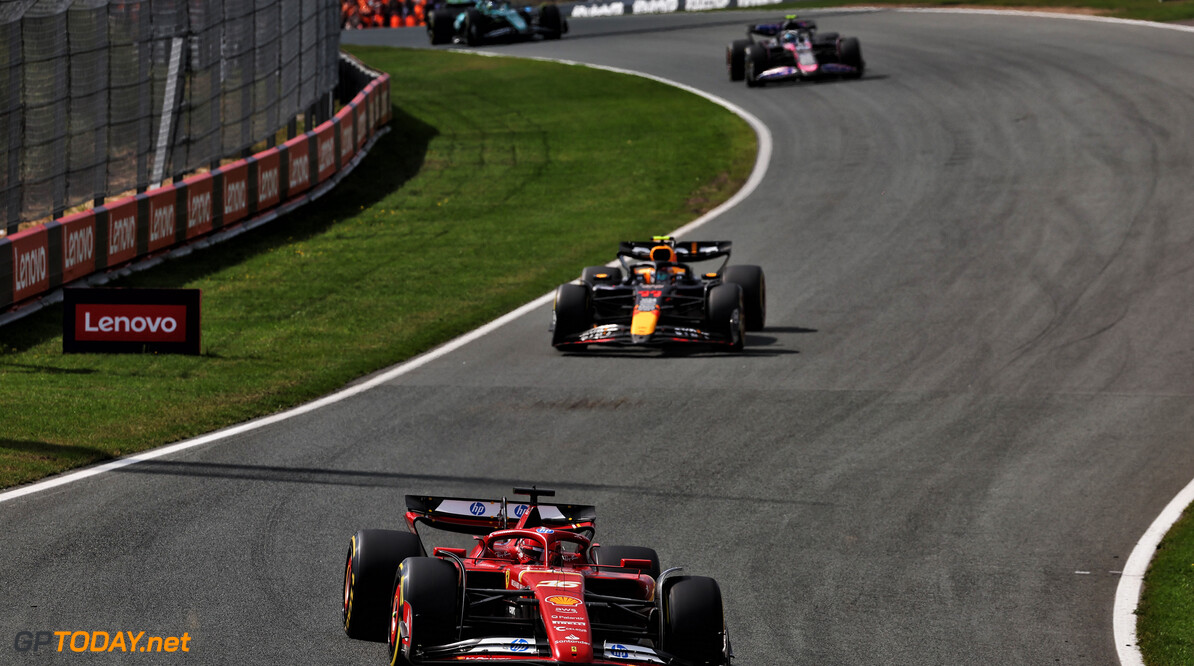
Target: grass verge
{"points": [[500, 179], [1165, 616]]}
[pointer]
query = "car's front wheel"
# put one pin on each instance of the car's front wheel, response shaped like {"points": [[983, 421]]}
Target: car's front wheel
{"points": [[550, 19], [754, 293], [373, 557], [439, 27], [850, 53], [570, 315], [756, 64], [694, 626], [725, 313], [472, 28], [425, 609], [736, 58]]}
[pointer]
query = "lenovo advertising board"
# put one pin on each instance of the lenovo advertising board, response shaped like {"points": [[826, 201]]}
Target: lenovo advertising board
{"points": [[30, 263], [235, 192], [78, 238], [199, 207], [298, 165], [163, 217], [265, 171], [130, 321], [120, 231], [325, 150]]}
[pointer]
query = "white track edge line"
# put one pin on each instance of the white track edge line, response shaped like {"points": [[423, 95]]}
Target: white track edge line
{"points": [[1127, 593], [762, 161]]}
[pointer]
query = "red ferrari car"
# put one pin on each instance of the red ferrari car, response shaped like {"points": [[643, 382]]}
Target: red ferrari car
{"points": [[534, 589]]}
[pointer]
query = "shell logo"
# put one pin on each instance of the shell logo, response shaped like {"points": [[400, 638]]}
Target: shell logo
{"points": [[561, 600]]}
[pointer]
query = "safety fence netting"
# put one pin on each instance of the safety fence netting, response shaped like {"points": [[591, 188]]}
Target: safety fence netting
{"points": [[98, 98]]}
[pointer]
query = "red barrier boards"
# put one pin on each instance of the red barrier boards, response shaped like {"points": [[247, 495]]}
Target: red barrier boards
{"points": [[163, 217], [30, 262], [325, 148], [298, 164], [236, 192], [269, 169], [122, 231], [78, 246], [199, 213]]}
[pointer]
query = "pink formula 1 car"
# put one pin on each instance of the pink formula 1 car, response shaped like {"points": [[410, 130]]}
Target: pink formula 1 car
{"points": [[792, 50]]}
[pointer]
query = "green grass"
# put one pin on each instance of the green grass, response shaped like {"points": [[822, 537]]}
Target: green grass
{"points": [[1144, 10], [1165, 617], [501, 178]]}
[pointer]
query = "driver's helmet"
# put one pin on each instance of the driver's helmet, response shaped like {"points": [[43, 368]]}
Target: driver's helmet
{"points": [[530, 551], [663, 253], [789, 37]]}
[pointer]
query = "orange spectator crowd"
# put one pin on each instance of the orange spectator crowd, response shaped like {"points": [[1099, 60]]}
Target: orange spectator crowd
{"points": [[383, 13]]}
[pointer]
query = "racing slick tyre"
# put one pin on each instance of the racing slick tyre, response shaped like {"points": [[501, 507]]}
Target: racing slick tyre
{"points": [[472, 28], [571, 313], [439, 27], [425, 610], [592, 275], [725, 313], [850, 53], [756, 63], [550, 19], [736, 58], [613, 555], [373, 557], [754, 293], [694, 627]]}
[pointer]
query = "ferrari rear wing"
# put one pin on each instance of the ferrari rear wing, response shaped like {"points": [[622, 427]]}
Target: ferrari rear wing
{"points": [[466, 515], [686, 251]]}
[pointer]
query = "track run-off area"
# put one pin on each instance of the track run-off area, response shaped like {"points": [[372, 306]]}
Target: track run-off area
{"points": [[972, 397]]}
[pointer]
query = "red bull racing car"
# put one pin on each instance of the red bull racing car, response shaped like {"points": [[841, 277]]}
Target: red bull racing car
{"points": [[533, 589], [657, 298], [792, 50]]}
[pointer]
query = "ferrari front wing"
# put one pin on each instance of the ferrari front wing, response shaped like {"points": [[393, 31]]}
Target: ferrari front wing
{"points": [[498, 650]]}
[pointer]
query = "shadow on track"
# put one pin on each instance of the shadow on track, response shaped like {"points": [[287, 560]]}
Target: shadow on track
{"points": [[359, 478]]}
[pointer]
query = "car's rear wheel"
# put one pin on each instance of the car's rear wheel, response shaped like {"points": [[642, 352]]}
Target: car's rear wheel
{"points": [[425, 610], [754, 293], [850, 53], [571, 313], [550, 19], [725, 313], [613, 556], [736, 58], [756, 64], [693, 623], [373, 557]]}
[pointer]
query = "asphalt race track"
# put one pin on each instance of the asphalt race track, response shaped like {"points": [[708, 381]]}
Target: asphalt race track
{"points": [[972, 397]]}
